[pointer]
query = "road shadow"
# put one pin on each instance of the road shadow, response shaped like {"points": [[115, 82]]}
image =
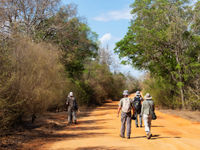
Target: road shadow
{"points": [[45, 130], [100, 114], [106, 108], [91, 121], [158, 136], [100, 148], [155, 126], [138, 137], [155, 137], [87, 128]]}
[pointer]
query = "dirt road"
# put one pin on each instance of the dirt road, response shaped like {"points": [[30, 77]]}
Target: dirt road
{"points": [[100, 130]]}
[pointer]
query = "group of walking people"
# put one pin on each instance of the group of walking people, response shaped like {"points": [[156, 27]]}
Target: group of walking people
{"points": [[144, 108]]}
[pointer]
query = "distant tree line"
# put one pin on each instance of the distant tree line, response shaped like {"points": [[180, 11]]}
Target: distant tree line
{"points": [[46, 51], [164, 39]]}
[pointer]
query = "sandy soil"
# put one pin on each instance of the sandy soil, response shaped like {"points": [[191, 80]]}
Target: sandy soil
{"points": [[100, 129], [187, 114]]}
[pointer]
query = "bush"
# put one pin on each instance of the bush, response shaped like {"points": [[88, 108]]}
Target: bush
{"points": [[35, 82], [163, 93]]}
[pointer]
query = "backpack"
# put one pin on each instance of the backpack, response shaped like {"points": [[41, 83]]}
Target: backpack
{"points": [[75, 105], [137, 104], [126, 107]]}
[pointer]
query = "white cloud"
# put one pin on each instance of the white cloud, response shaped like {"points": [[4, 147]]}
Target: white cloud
{"points": [[105, 38], [114, 15], [108, 38]]}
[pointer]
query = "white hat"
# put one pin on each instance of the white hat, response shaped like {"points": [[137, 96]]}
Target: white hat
{"points": [[138, 93], [70, 93], [147, 96], [125, 92]]}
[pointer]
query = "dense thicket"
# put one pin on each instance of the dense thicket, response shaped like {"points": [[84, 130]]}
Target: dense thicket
{"points": [[46, 51], [31, 82], [164, 38]]}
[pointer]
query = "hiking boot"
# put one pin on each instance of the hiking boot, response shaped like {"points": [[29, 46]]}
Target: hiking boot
{"points": [[149, 135]]}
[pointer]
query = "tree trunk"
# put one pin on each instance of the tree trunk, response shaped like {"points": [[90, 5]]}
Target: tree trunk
{"points": [[180, 74], [182, 97]]}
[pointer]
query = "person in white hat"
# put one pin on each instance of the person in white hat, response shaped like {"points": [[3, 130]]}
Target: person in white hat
{"points": [[147, 112], [125, 105], [72, 108]]}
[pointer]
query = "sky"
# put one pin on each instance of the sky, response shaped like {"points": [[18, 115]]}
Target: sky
{"points": [[110, 19]]}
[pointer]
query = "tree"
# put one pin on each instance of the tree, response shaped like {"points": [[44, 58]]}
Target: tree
{"points": [[69, 32], [24, 16], [161, 39]]}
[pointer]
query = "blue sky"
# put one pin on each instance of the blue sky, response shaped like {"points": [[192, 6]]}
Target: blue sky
{"points": [[110, 20]]}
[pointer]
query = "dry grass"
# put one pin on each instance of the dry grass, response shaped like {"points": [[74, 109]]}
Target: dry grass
{"points": [[190, 115]]}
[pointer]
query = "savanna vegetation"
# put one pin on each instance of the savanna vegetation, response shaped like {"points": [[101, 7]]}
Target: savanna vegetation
{"points": [[46, 51], [164, 39]]}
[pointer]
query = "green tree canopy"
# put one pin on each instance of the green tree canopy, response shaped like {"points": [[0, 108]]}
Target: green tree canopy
{"points": [[164, 38]]}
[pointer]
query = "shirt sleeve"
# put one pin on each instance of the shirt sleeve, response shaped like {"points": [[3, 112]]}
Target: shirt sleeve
{"points": [[120, 103]]}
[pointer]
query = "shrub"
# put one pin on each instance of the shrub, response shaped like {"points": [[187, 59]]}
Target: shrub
{"points": [[35, 82], [163, 93]]}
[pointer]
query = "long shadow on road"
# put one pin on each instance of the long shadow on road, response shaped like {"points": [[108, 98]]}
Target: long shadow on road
{"points": [[155, 137]]}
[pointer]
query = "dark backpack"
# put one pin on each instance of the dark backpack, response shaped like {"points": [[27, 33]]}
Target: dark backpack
{"points": [[137, 104], [75, 105]]}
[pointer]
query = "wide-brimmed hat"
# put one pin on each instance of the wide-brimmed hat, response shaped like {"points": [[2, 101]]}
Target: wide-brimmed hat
{"points": [[138, 93], [125, 92], [71, 94], [147, 96]]}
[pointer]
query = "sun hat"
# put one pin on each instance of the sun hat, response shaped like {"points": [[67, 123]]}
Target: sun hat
{"points": [[138, 93], [147, 96], [125, 92], [70, 93]]}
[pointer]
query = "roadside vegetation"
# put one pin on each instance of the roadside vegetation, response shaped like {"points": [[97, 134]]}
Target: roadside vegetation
{"points": [[164, 39], [46, 51]]}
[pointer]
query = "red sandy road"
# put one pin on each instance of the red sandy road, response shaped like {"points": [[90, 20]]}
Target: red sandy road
{"points": [[100, 130]]}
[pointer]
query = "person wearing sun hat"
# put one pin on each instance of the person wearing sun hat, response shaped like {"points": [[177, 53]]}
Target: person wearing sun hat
{"points": [[72, 105], [147, 111]]}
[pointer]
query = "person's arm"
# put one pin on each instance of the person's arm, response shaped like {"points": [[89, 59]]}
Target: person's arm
{"points": [[133, 109], [132, 105], [67, 101], [67, 104], [141, 99], [119, 108], [118, 111]]}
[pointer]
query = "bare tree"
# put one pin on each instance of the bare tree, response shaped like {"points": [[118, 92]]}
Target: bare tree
{"points": [[24, 15], [105, 56]]}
